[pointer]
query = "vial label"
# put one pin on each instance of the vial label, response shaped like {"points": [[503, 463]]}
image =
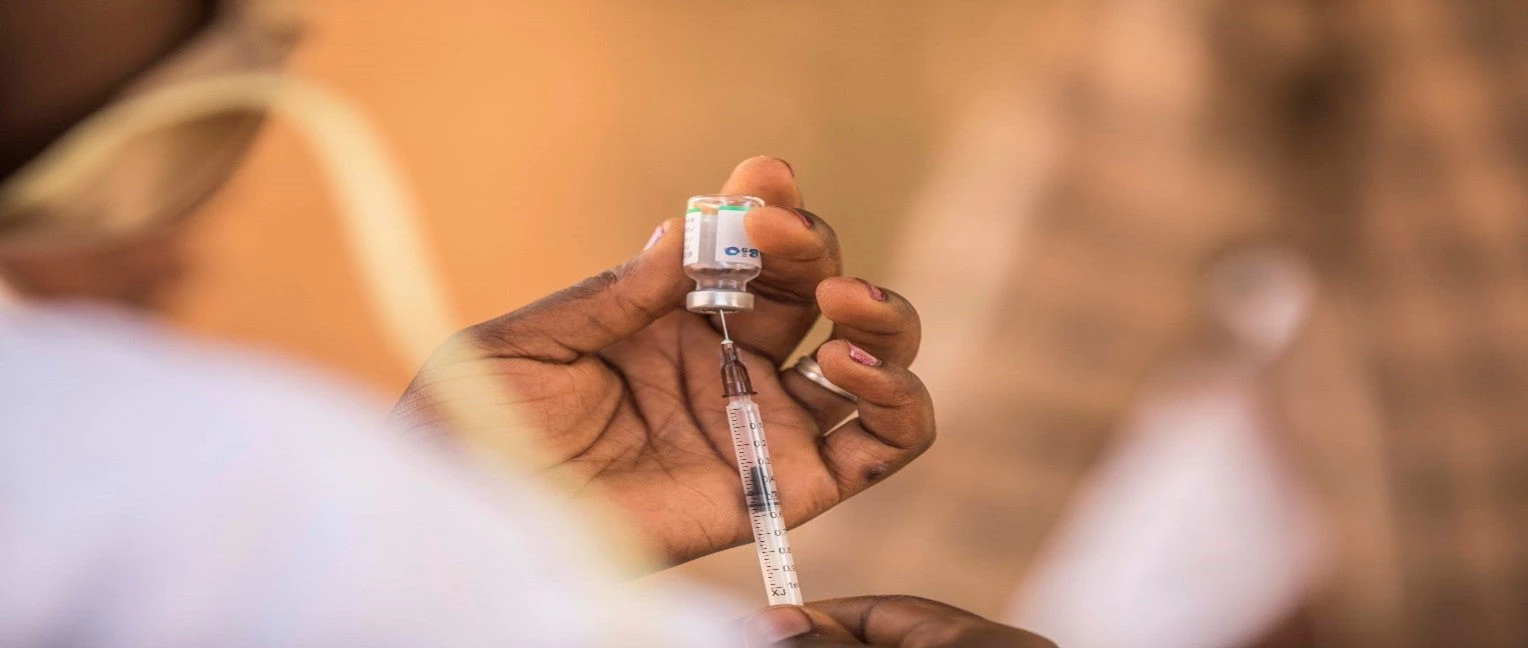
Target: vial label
{"points": [[692, 237], [732, 245]]}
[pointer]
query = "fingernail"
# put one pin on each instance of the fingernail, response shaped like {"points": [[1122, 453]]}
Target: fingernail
{"points": [[788, 166], [805, 216], [776, 624], [862, 356], [875, 291], [657, 236]]}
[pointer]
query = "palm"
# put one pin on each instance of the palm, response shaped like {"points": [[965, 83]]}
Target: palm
{"points": [[622, 387], [644, 422]]}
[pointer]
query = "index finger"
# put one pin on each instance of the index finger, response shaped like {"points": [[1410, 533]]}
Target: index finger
{"points": [[800, 250]]}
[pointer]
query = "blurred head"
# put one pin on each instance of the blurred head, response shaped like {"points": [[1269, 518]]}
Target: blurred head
{"points": [[62, 63]]}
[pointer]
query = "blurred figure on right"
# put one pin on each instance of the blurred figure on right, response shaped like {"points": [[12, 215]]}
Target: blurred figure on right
{"points": [[1231, 346]]}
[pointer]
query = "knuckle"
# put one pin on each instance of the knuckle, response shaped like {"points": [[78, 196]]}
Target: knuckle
{"points": [[908, 392], [605, 287], [500, 338], [597, 285], [493, 334]]}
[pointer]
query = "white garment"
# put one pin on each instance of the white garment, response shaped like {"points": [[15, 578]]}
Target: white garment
{"points": [[159, 492], [1194, 533]]}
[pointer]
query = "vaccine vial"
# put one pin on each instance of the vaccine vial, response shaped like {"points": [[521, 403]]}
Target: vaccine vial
{"points": [[718, 255]]}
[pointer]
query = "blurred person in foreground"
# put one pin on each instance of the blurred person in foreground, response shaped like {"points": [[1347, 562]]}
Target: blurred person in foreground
{"points": [[159, 491], [1233, 339]]}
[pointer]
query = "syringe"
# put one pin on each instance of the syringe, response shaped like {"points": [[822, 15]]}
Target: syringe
{"points": [[765, 515]]}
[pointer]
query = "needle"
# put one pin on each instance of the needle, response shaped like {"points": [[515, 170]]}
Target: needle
{"points": [[726, 337]]}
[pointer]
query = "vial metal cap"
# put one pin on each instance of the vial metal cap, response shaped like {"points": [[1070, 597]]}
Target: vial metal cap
{"points": [[718, 301]]}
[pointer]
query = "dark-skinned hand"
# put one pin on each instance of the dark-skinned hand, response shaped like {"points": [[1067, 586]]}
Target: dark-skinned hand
{"points": [[621, 384], [885, 621]]}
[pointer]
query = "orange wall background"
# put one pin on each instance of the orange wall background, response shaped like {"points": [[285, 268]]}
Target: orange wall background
{"points": [[545, 140]]}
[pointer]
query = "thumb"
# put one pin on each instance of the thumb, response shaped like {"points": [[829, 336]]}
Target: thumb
{"points": [[598, 311]]}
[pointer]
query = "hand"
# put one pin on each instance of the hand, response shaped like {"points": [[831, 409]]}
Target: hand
{"points": [[891, 621], [623, 386]]}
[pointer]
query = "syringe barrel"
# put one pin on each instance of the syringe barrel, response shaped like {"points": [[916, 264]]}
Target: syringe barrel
{"points": [[766, 515]]}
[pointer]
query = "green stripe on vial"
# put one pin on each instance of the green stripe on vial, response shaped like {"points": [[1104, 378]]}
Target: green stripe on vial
{"points": [[741, 208]]}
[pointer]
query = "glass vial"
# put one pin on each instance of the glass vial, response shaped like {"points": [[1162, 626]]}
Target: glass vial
{"points": [[718, 255]]}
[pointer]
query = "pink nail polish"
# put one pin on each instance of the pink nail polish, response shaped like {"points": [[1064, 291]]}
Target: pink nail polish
{"points": [[875, 291], [805, 216], [657, 236], [863, 357], [788, 166]]}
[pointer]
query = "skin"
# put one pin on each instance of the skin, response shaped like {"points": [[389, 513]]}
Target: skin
{"points": [[890, 621], [47, 89], [139, 273], [612, 374], [622, 384]]}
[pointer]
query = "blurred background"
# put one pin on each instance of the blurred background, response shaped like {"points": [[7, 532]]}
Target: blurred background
{"points": [[546, 140], [1224, 301]]}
